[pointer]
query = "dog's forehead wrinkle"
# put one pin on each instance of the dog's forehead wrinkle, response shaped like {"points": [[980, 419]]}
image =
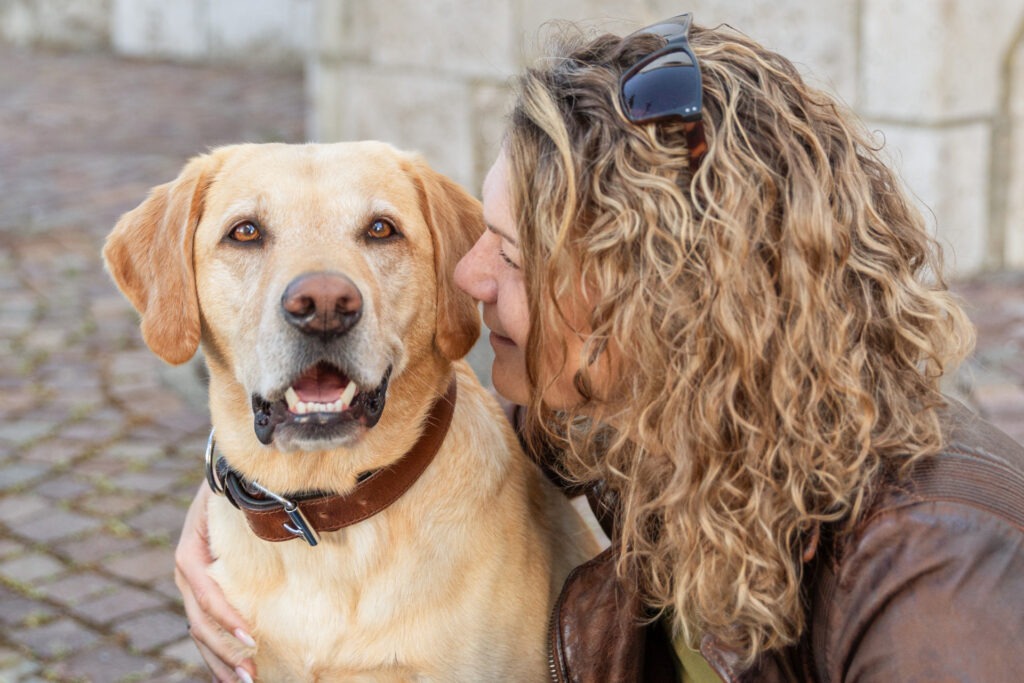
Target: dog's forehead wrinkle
{"points": [[381, 206], [239, 208]]}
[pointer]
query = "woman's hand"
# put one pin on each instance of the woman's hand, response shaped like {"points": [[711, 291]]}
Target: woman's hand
{"points": [[211, 618]]}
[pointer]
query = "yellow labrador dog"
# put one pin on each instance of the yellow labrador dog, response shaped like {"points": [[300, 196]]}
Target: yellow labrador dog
{"points": [[381, 522]]}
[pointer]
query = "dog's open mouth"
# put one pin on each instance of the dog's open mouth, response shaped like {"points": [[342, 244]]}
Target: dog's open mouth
{"points": [[322, 403], [321, 390]]}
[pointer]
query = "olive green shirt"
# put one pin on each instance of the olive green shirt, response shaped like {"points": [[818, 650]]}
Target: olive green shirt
{"points": [[695, 669]]}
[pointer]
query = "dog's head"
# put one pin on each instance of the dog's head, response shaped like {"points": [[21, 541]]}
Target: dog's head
{"points": [[312, 274]]}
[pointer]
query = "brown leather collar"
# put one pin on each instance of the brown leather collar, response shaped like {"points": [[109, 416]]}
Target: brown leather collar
{"points": [[274, 517]]}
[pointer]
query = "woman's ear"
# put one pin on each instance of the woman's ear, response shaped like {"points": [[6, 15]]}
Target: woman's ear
{"points": [[455, 219], [149, 256]]}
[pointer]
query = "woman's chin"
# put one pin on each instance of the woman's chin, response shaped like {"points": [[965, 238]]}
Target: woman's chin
{"points": [[510, 384]]}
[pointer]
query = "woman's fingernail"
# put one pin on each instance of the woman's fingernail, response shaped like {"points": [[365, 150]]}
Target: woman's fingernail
{"points": [[243, 675], [245, 638]]}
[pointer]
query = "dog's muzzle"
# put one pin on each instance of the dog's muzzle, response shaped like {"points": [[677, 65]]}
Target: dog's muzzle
{"points": [[321, 402]]}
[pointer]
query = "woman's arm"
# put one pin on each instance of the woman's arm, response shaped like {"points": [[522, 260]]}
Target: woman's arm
{"points": [[211, 619]]}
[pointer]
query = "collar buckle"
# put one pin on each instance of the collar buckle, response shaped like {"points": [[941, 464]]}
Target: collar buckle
{"points": [[300, 526]]}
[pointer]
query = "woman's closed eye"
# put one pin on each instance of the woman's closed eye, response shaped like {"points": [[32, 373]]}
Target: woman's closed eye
{"points": [[508, 261]]}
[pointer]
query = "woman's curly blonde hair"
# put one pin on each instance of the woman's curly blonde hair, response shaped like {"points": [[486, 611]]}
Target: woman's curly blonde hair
{"points": [[774, 325]]}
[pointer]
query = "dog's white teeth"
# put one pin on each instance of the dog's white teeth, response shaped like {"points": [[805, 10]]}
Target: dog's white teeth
{"points": [[306, 407], [348, 395]]}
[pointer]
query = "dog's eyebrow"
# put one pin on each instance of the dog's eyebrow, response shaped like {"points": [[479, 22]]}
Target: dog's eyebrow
{"points": [[243, 208], [502, 234]]}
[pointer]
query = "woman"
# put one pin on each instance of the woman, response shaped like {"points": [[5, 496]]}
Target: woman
{"points": [[713, 299]]}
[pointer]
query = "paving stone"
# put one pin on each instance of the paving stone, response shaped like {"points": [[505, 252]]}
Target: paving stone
{"points": [[138, 391], [47, 339], [162, 520], [14, 667], [107, 663], [144, 482], [16, 474], [58, 524], [111, 306], [183, 676], [55, 639], [151, 433], [18, 304], [148, 565], [118, 504], [167, 588], [136, 452], [10, 547], [66, 407], [76, 588], [186, 420], [91, 431], [186, 652], [30, 567], [154, 629], [64, 487], [99, 547], [14, 509], [54, 451], [15, 404], [17, 610], [99, 467], [184, 490], [114, 605], [168, 411], [24, 431], [183, 462]]}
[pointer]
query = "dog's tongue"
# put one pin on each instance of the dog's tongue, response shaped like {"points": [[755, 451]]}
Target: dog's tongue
{"points": [[320, 384]]}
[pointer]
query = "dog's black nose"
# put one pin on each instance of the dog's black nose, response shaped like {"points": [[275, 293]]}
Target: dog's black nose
{"points": [[322, 304]]}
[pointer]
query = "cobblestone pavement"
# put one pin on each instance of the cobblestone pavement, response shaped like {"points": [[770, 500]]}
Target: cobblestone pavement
{"points": [[100, 444]]}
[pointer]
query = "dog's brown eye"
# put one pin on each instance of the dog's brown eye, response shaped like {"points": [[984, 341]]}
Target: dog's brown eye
{"points": [[245, 232], [381, 229]]}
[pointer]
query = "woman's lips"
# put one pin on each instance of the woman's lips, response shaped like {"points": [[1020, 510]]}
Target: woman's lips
{"points": [[499, 340]]}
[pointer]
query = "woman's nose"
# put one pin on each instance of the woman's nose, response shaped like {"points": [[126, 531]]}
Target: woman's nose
{"points": [[472, 274]]}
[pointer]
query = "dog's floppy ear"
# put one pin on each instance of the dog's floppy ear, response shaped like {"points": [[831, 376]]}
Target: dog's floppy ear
{"points": [[456, 221], [149, 255]]}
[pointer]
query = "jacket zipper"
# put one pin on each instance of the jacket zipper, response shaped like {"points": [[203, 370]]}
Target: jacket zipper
{"points": [[553, 642], [554, 633]]}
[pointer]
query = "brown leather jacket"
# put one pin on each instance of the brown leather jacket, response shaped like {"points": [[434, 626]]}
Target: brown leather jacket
{"points": [[928, 586]]}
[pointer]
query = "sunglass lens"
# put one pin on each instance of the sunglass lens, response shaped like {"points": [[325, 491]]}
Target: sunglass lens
{"points": [[667, 29], [669, 85]]}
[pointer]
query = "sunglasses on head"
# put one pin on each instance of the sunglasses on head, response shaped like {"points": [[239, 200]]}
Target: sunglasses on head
{"points": [[666, 84]]}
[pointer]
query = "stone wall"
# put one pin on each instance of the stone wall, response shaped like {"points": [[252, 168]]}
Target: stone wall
{"points": [[258, 31], [941, 82], [68, 24]]}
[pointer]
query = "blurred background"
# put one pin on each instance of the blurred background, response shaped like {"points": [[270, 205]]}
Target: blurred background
{"points": [[101, 444]]}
